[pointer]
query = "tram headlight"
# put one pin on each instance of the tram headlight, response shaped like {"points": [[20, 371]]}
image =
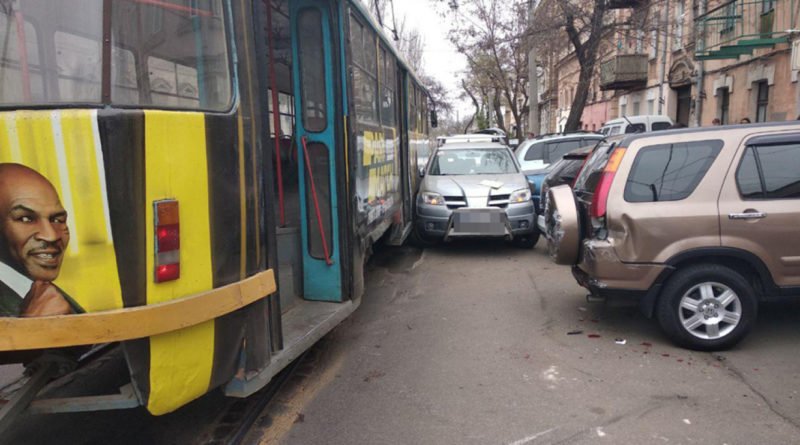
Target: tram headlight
{"points": [[433, 199], [520, 196]]}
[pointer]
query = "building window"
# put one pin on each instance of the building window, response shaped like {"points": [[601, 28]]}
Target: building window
{"points": [[623, 109], [730, 18], [636, 108], [651, 106], [762, 101], [724, 105], [767, 6]]}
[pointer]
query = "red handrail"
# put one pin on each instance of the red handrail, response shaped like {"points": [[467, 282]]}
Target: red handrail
{"points": [[328, 260]]}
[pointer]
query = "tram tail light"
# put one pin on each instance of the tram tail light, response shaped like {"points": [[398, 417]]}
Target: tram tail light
{"points": [[168, 241]]}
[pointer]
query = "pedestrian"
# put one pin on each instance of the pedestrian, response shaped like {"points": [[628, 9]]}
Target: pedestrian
{"points": [[745, 120], [716, 121]]}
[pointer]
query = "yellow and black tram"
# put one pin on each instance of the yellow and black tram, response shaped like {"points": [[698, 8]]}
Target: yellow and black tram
{"points": [[196, 182]]}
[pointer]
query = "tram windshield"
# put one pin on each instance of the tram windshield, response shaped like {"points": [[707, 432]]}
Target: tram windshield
{"points": [[163, 53]]}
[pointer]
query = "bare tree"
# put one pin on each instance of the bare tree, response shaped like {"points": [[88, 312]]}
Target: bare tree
{"points": [[489, 33], [592, 31]]}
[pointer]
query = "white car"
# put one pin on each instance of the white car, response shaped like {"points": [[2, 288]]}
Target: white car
{"points": [[636, 124]]}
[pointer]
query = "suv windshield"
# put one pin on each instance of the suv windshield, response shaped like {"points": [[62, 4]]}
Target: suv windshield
{"points": [[481, 161]]}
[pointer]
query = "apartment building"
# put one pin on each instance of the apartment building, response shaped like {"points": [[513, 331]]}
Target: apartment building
{"points": [[692, 60]]}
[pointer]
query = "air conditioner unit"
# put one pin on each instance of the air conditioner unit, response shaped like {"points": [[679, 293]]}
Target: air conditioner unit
{"points": [[796, 55]]}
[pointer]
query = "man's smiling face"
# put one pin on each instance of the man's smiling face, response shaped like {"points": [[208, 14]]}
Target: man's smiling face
{"points": [[33, 222]]}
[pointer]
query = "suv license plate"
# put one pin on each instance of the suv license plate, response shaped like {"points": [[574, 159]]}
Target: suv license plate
{"points": [[481, 223]]}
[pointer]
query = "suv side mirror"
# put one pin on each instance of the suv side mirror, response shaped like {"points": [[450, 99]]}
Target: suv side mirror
{"points": [[422, 172], [434, 119]]}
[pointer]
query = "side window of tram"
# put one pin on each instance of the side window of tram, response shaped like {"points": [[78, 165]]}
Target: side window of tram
{"points": [[365, 78], [387, 63]]}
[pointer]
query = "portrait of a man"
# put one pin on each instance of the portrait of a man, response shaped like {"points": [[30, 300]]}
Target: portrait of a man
{"points": [[33, 241]]}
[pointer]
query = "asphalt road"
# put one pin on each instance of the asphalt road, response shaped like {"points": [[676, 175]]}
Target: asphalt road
{"points": [[469, 344]]}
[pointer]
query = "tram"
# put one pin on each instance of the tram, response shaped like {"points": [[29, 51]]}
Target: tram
{"points": [[195, 182]]}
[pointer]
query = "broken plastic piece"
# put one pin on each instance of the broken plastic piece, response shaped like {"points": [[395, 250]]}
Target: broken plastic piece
{"points": [[576, 332]]}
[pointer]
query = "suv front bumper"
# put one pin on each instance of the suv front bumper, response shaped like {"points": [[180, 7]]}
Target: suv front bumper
{"points": [[436, 221]]}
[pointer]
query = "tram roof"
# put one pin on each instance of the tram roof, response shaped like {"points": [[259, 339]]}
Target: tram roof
{"points": [[364, 11]]}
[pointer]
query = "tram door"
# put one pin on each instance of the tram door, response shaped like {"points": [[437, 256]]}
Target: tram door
{"points": [[315, 108]]}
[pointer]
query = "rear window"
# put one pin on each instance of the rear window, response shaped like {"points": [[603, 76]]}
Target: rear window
{"points": [[535, 152], [635, 128], [657, 126], [669, 172], [590, 175], [557, 150]]}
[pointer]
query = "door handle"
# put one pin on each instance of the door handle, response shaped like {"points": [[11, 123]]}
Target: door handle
{"points": [[747, 215]]}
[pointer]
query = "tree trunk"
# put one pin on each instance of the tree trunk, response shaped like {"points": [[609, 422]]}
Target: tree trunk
{"points": [[581, 95]]}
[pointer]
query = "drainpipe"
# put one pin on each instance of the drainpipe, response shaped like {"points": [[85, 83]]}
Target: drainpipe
{"points": [[533, 79], [663, 68], [701, 74]]}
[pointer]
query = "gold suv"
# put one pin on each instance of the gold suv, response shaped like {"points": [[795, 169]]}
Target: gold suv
{"points": [[697, 226]]}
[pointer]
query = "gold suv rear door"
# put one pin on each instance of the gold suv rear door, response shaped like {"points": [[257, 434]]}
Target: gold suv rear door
{"points": [[759, 204]]}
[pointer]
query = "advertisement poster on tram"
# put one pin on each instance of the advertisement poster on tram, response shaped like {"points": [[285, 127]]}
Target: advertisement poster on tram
{"points": [[56, 249]]}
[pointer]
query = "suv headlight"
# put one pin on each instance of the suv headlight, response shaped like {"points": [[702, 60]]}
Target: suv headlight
{"points": [[520, 196], [433, 199]]}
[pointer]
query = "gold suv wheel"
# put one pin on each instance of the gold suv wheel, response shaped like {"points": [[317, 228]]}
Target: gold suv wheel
{"points": [[707, 307]]}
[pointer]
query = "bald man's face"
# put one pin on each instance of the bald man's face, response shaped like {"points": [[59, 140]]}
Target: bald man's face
{"points": [[33, 223]]}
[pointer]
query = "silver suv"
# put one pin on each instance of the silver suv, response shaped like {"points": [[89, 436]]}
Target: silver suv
{"points": [[474, 189]]}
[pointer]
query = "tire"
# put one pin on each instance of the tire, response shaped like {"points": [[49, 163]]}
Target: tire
{"points": [[561, 217], [421, 240], [692, 313], [527, 241]]}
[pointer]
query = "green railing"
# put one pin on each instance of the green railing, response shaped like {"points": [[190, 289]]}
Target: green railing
{"points": [[738, 27]]}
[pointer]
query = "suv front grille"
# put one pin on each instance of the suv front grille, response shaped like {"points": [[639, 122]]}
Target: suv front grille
{"points": [[455, 202], [500, 201]]}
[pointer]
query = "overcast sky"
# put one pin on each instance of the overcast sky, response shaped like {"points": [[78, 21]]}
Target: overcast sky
{"points": [[440, 58]]}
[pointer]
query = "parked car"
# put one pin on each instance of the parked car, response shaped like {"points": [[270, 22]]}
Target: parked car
{"points": [[636, 124], [538, 156], [562, 172], [475, 189], [697, 226], [472, 137]]}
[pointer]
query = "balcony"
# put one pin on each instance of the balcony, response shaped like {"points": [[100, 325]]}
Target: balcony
{"points": [[624, 72], [624, 4], [739, 27]]}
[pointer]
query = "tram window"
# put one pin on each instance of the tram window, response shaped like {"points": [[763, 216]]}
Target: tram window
{"points": [[179, 47], [320, 167], [123, 77], [387, 63], [285, 111], [412, 108], [365, 78], [13, 86], [312, 70], [72, 71]]}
